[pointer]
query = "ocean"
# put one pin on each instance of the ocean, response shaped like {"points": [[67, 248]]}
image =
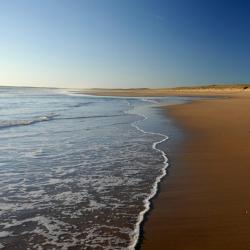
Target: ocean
{"points": [[78, 171]]}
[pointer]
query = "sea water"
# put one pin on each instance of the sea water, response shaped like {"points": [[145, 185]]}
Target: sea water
{"points": [[78, 171]]}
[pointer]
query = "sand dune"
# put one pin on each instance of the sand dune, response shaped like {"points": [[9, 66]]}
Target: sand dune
{"points": [[181, 91]]}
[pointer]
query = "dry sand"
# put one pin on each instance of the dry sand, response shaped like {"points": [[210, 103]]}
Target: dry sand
{"points": [[204, 201], [217, 90]]}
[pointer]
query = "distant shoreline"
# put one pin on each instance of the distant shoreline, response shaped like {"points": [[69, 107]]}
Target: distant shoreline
{"points": [[179, 91], [202, 90]]}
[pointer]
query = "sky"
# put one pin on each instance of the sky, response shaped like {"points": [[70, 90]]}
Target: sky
{"points": [[123, 43]]}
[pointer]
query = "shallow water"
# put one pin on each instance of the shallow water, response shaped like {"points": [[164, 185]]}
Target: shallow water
{"points": [[75, 170]]}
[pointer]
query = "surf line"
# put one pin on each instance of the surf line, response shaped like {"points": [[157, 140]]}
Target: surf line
{"points": [[147, 201]]}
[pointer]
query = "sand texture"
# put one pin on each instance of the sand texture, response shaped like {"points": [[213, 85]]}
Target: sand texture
{"points": [[204, 202], [210, 90]]}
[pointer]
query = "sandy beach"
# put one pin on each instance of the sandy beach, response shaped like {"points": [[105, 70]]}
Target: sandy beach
{"points": [[209, 90], [204, 201], [125, 125]]}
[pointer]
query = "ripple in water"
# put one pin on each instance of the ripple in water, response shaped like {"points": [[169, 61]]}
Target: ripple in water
{"points": [[67, 182]]}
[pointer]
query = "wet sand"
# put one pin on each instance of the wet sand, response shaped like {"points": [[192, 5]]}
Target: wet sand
{"points": [[204, 202]]}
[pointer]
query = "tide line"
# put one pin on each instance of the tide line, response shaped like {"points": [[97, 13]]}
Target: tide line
{"points": [[147, 201]]}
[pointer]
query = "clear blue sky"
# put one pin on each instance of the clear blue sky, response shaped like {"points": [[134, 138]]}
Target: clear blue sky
{"points": [[123, 43]]}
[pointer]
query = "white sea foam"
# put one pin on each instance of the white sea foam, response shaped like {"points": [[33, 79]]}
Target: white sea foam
{"points": [[150, 100], [25, 122], [4, 234], [147, 201], [72, 183]]}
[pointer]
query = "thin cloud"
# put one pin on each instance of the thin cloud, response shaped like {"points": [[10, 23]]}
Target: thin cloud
{"points": [[159, 18]]}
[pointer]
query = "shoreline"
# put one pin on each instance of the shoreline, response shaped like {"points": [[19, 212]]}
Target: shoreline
{"points": [[162, 92], [138, 229], [156, 232], [173, 219], [190, 190]]}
